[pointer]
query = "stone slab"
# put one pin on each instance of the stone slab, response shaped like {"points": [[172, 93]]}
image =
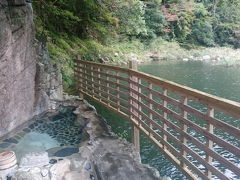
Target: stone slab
{"points": [[34, 159], [58, 170], [66, 152]]}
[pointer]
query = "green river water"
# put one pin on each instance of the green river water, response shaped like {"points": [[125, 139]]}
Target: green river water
{"points": [[217, 80]]}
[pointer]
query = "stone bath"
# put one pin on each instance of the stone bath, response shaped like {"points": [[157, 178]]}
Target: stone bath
{"points": [[81, 146], [46, 131]]}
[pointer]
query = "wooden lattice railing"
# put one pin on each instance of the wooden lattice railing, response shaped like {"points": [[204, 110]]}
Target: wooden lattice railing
{"points": [[199, 132]]}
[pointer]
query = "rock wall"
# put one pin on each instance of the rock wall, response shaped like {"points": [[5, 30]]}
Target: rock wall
{"points": [[27, 79]]}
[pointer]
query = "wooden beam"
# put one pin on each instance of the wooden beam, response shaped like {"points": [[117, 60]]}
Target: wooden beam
{"points": [[135, 130]]}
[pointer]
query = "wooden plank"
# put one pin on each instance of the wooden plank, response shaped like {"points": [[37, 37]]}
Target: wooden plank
{"points": [[135, 130], [169, 155], [107, 81], [184, 114], [113, 90], [124, 115], [194, 168], [213, 154], [228, 106], [205, 163], [221, 103], [99, 82], [217, 123], [112, 76], [231, 148], [96, 97], [209, 142], [106, 99], [139, 99], [165, 114], [108, 92], [200, 145], [156, 125], [150, 106], [165, 143], [111, 67], [118, 90]]}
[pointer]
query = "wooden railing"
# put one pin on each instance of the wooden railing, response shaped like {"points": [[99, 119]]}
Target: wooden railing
{"points": [[197, 131]]}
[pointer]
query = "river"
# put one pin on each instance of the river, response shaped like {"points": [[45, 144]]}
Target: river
{"points": [[217, 80]]}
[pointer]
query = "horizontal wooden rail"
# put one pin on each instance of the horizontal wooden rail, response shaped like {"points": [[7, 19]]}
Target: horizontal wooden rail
{"points": [[183, 122]]}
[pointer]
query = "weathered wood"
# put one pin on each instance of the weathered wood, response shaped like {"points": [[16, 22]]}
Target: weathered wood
{"points": [[108, 92], [124, 115], [184, 101], [150, 105], [165, 115], [111, 67], [99, 81], [106, 81], [209, 142], [110, 89], [168, 154], [111, 75], [217, 123], [231, 148], [118, 90], [135, 130], [225, 105], [142, 109], [97, 97], [110, 95]]}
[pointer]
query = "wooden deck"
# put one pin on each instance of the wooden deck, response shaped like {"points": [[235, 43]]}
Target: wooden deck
{"points": [[183, 122]]}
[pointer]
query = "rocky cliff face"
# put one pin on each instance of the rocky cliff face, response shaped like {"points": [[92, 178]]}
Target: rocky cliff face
{"points": [[28, 79]]}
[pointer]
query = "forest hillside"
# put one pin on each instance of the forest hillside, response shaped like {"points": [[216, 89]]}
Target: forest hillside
{"points": [[118, 30]]}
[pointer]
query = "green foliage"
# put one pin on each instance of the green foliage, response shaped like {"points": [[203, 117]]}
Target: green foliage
{"points": [[55, 19], [123, 135], [107, 30], [131, 17], [183, 26], [226, 21], [202, 32], [155, 21]]}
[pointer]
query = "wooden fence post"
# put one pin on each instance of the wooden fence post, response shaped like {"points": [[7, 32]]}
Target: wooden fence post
{"points": [[184, 114], [81, 95], [209, 143], [135, 130]]}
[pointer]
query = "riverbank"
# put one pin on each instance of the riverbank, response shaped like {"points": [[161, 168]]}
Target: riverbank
{"points": [[214, 55], [161, 50]]}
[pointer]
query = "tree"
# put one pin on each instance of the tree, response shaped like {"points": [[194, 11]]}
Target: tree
{"points": [[131, 17], [155, 19], [226, 22], [202, 30]]}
